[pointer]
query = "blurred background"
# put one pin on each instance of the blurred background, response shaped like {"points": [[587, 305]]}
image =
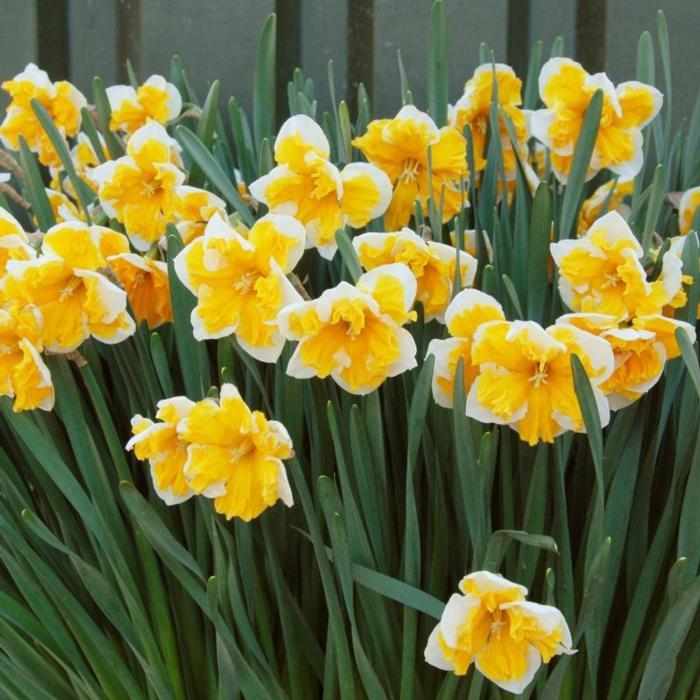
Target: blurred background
{"points": [[77, 39]]}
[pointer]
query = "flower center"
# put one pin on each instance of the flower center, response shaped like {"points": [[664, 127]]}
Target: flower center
{"points": [[69, 289], [241, 451], [540, 375], [611, 280], [246, 283], [410, 170]]}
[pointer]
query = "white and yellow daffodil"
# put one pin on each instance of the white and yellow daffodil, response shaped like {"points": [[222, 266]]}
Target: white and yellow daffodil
{"points": [[23, 374], [399, 147], [566, 90], [525, 380], [159, 443], [640, 354], [690, 201], [240, 283], [602, 273], [235, 455], [193, 208], [493, 626], [75, 299], [433, 264], [63, 207], [14, 242], [608, 196], [147, 288], [354, 333], [61, 100], [306, 185], [138, 189], [466, 312], [155, 100], [472, 110]]}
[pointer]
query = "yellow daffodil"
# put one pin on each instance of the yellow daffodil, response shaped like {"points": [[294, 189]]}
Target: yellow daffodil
{"points": [[160, 444], [306, 185], [63, 207], [525, 380], [639, 349], [566, 90], [75, 299], [602, 273], [466, 312], [611, 194], [23, 374], [14, 242], [433, 265], [235, 456], [399, 147], [690, 201], [491, 625], [155, 100], [138, 189], [472, 110], [240, 283], [146, 284], [61, 100], [193, 208], [354, 333]]}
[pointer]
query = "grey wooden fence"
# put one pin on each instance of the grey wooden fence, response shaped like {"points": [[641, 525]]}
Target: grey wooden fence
{"points": [[77, 39]]}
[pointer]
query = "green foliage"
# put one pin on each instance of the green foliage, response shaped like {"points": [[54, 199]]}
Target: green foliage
{"points": [[107, 593]]}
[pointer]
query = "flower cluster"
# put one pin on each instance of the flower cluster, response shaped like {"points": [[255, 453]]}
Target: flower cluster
{"points": [[61, 100], [493, 626], [217, 448]]}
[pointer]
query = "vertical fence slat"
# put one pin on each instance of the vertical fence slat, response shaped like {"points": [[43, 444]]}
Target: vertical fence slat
{"points": [[591, 27], [93, 42], [360, 64], [19, 46], [52, 37], [288, 51], [129, 37], [518, 35], [548, 20]]}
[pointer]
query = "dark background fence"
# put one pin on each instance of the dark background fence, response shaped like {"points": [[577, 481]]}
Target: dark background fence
{"points": [[77, 39]]}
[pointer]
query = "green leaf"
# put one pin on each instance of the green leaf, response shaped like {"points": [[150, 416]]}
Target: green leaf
{"points": [[264, 83], [348, 254], [663, 656], [213, 171], [690, 358], [579, 166], [104, 112], [36, 194], [538, 253]]}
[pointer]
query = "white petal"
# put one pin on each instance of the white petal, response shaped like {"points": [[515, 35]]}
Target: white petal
{"points": [[534, 661], [433, 652], [455, 615], [308, 130]]}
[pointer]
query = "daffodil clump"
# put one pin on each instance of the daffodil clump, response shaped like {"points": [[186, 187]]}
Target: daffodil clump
{"points": [[263, 314]]}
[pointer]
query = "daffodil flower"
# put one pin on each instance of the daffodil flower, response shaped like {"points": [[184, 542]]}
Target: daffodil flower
{"points": [[65, 283], [23, 374], [306, 185], [240, 283], [566, 90], [63, 207], [235, 455], [608, 195], [602, 273], [399, 147], [639, 349], [61, 100], [491, 625], [14, 243], [690, 201], [147, 288], [138, 189], [160, 444], [193, 208], [155, 100], [433, 264], [473, 107], [354, 333], [525, 380], [466, 312]]}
